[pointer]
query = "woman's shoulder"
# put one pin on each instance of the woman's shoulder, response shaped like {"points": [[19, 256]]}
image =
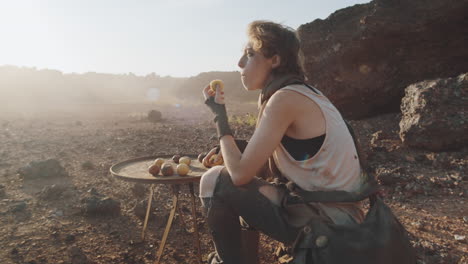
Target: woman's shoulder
{"points": [[289, 92], [284, 96], [290, 101], [289, 95]]}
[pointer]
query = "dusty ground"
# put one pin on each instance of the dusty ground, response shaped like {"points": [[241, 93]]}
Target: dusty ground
{"points": [[426, 190]]}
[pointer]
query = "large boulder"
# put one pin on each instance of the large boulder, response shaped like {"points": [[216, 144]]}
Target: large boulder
{"points": [[363, 57], [434, 114], [96, 204], [154, 116], [50, 168]]}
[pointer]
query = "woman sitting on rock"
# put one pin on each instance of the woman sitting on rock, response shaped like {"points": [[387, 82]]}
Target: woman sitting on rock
{"points": [[300, 135]]}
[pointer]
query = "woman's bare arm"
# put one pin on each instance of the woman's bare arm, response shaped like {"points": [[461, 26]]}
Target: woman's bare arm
{"points": [[278, 115]]}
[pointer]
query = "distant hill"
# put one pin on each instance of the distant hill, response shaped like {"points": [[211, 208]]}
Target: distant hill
{"points": [[23, 86], [234, 90]]}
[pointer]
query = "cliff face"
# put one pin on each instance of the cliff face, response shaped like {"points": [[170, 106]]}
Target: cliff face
{"points": [[362, 57]]}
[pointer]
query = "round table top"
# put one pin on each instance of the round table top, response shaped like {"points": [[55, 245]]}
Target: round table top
{"points": [[136, 170]]}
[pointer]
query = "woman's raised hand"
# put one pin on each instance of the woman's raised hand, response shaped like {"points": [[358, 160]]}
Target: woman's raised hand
{"points": [[218, 94]]}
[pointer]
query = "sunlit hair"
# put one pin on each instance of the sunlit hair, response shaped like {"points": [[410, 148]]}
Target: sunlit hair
{"points": [[275, 39]]}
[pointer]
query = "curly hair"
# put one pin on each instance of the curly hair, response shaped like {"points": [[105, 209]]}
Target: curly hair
{"points": [[271, 39]]}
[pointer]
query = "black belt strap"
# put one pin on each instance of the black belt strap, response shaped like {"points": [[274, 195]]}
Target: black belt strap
{"points": [[301, 196]]}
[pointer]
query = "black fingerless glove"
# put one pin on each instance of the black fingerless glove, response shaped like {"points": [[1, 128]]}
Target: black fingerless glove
{"points": [[221, 119]]}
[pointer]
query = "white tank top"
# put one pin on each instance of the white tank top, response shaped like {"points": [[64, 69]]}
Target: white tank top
{"points": [[336, 165]]}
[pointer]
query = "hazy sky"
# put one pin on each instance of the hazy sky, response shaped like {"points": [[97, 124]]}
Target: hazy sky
{"points": [[168, 37]]}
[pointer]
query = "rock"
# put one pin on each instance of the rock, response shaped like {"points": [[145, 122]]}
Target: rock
{"points": [[460, 238], [87, 165], [421, 226], [442, 160], [362, 57], [94, 192], [70, 238], [421, 158], [77, 256], [50, 168], [18, 207], [101, 206], [2, 191], [280, 250], [377, 136], [431, 114], [154, 116], [55, 234], [139, 190], [389, 176], [52, 192], [410, 158], [285, 259], [56, 213], [140, 209], [14, 251]]}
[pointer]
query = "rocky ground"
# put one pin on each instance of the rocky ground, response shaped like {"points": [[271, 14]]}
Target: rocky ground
{"points": [[48, 219]]}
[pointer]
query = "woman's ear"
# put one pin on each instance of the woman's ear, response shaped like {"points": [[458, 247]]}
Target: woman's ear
{"points": [[275, 61]]}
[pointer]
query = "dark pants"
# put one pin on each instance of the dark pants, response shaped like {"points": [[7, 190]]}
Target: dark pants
{"points": [[229, 202]]}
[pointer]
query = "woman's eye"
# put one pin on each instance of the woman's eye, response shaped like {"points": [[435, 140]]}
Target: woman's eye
{"points": [[250, 54]]}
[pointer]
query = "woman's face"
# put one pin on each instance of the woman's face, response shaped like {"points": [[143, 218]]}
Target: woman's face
{"points": [[255, 68]]}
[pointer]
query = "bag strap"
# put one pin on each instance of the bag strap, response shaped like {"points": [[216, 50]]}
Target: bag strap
{"points": [[301, 196]]}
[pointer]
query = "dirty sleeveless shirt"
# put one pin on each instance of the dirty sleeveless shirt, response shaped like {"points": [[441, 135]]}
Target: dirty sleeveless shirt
{"points": [[302, 149], [334, 167]]}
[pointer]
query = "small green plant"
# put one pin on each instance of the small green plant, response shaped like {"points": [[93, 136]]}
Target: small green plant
{"points": [[244, 120]]}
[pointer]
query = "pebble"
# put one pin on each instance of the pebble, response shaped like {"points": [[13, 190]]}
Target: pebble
{"points": [[18, 207], [14, 251], [69, 238]]}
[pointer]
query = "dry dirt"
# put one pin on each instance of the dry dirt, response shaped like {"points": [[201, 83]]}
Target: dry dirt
{"points": [[426, 190]]}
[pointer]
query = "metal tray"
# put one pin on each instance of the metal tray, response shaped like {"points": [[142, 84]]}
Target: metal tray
{"points": [[136, 170]]}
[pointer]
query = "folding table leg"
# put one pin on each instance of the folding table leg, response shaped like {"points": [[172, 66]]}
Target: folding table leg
{"points": [[195, 225], [148, 209], [169, 224]]}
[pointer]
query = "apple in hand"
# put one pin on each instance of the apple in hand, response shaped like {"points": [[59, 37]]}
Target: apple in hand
{"points": [[216, 159], [216, 84]]}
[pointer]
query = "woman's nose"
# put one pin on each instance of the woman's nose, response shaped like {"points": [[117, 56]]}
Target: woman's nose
{"points": [[241, 62]]}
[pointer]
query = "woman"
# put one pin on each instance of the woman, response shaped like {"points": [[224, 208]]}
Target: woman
{"points": [[299, 133]]}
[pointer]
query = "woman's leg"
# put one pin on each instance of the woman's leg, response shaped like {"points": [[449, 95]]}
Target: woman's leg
{"points": [[224, 203]]}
